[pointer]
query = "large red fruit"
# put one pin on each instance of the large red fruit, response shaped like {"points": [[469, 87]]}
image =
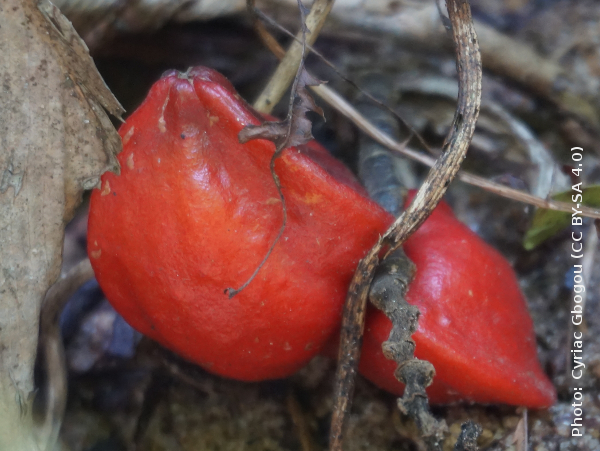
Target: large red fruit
{"points": [[474, 325], [194, 212]]}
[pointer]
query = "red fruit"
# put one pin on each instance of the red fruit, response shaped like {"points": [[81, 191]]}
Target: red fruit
{"points": [[194, 212], [474, 325]]}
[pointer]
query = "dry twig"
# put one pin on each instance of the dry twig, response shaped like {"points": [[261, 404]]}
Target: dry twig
{"points": [[301, 424], [51, 346], [428, 196], [520, 439], [288, 66]]}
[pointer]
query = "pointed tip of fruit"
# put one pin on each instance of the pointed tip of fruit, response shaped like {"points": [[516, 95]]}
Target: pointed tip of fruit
{"points": [[528, 387], [537, 391]]}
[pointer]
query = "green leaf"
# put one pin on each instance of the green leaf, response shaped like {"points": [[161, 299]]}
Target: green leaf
{"points": [[548, 223]]}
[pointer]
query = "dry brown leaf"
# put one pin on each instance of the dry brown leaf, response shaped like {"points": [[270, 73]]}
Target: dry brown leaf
{"points": [[55, 141]]}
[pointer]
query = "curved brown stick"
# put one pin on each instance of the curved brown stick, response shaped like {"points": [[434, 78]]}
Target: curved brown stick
{"points": [[428, 196]]}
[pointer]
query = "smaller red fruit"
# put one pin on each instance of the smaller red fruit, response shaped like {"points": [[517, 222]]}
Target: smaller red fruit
{"points": [[474, 325]]}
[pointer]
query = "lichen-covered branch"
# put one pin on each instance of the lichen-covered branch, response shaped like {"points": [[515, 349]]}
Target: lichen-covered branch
{"points": [[387, 294]]}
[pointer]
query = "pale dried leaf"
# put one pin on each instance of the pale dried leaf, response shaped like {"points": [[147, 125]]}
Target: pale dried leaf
{"points": [[55, 140], [75, 58]]}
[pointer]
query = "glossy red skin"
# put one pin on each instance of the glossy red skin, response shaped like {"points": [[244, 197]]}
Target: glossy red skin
{"points": [[194, 212], [474, 325]]}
